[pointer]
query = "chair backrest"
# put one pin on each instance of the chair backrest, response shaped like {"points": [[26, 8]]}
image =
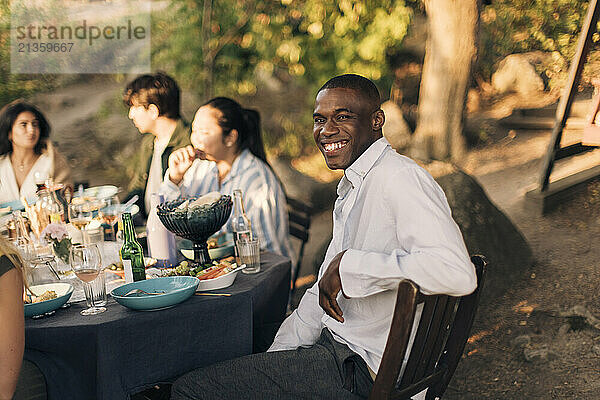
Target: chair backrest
{"points": [[438, 345], [299, 224]]}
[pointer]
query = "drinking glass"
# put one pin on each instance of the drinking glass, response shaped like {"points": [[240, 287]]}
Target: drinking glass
{"points": [[109, 213], [80, 215], [249, 253], [86, 262]]}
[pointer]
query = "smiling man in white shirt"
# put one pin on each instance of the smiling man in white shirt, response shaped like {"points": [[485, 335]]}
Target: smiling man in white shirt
{"points": [[391, 222]]}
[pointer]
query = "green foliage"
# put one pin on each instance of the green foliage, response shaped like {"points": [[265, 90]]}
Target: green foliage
{"points": [[517, 26], [312, 39], [242, 45], [14, 86]]}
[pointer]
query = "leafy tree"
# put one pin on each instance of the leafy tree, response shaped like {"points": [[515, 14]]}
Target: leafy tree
{"points": [[517, 26], [225, 42], [13, 86], [233, 47]]}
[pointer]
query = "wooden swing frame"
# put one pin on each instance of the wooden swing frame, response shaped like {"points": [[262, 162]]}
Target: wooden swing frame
{"points": [[550, 194]]}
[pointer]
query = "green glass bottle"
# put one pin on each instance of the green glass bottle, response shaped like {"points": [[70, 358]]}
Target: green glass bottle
{"points": [[131, 253]]}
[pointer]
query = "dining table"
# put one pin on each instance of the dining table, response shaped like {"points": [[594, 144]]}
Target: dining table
{"points": [[120, 352]]}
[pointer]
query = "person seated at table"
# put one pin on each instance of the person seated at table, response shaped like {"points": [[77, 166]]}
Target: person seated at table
{"points": [[27, 156], [391, 222], [227, 153], [154, 108], [12, 329]]}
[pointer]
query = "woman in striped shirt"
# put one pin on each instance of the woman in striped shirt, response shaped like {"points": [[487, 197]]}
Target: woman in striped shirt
{"points": [[227, 153]]}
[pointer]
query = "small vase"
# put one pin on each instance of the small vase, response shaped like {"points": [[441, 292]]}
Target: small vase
{"points": [[61, 251]]}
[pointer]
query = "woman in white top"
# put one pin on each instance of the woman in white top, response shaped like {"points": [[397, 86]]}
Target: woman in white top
{"points": [[27, 156], [227, 153]]}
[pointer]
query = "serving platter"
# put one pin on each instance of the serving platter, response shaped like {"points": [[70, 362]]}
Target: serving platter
{"points": [[220, 282], [101, 192]]}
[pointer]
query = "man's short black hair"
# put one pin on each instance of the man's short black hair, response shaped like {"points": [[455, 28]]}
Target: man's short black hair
{"points": [[355, 82], [158, 89]]}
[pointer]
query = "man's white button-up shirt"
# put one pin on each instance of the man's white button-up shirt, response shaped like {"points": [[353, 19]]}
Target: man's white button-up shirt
{"points": [[394, 222]]}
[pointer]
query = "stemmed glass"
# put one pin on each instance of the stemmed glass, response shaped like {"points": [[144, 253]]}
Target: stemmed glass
{"points": [[110, 212], [86, 262], [80, 215]]}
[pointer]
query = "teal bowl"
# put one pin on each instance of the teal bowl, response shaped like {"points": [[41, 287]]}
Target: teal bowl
{"points": [[63, 291], [175, 289], [224, 247]]}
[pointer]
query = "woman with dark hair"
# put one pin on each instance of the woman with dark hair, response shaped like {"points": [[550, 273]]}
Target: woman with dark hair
{"points": [[27, 156], [227, 153]]}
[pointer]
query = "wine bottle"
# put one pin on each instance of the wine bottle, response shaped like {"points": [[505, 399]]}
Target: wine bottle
{"points": [[49, 209], [242, 228], [56, 209], [131, 253]]}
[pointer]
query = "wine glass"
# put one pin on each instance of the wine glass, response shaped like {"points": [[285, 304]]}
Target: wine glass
{"points": [[109, 213], [86, 263], [80, 214]]}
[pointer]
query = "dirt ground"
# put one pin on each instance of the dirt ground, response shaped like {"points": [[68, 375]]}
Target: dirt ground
{"points": [[527, 343]]}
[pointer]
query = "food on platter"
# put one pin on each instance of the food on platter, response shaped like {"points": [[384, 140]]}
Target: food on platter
{"points": [[47, 295], [83, 200], [183, 205], [210, 271], [217, 270], [117, 267], [202, 202], [206, 200], [212, 242]]}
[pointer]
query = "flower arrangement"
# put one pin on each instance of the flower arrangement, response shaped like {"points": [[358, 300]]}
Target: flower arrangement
{"points": [[59, 237]]}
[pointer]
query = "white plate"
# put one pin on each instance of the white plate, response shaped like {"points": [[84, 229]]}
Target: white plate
{"points": [[101, 192], [220, 282]]}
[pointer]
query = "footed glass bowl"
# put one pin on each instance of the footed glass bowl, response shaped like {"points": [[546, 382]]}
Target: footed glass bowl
{"points": [[195, 223]]}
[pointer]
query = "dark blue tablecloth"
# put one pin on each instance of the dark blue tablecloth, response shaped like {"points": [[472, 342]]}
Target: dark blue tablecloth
{"points": [[120, 352]]}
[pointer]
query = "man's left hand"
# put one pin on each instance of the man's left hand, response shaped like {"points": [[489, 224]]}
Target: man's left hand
{"points": [[329, 287]]}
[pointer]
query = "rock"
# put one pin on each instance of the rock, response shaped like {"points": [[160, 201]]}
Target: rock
{"points": [[515, 73], [395, 129], [304, 188], [582, 316], [487, 231], [563, 330], [521, 341], [541, 354]]}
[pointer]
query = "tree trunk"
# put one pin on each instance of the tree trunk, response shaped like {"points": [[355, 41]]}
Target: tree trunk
{"points": [[450, 52]]}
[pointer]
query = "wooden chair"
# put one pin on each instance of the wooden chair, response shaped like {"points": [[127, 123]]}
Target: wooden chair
{"points": [[439, 342], [299, 224]]}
